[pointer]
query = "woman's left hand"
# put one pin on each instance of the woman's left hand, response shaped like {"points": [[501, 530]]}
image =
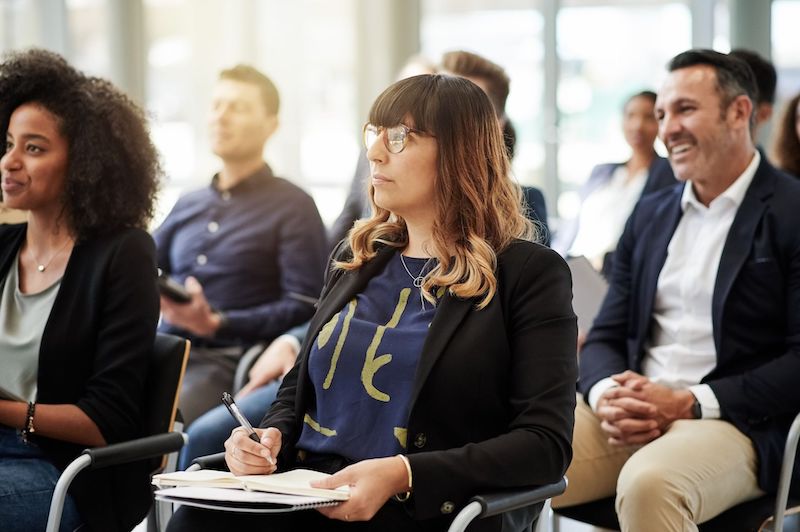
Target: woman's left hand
{"points": [[371, 483]]}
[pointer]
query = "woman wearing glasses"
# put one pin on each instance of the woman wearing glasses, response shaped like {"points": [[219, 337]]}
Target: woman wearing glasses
{"points": [[441, 360]]}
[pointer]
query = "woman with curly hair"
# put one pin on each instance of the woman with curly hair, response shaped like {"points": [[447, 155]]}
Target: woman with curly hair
{"points": [[441, 360], [78, 297], [786, 150]]}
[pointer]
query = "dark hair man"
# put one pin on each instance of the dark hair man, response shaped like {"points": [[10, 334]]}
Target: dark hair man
{"points": [[766, 79], [250, 247], [689, 373]]}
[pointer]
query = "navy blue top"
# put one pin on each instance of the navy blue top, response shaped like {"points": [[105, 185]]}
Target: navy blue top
{"points": [[362, 366], [258, 249]]}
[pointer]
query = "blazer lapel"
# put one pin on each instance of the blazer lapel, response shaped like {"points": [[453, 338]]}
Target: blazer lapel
{"points": [[653, 257], [739, 242], [449, 315]]}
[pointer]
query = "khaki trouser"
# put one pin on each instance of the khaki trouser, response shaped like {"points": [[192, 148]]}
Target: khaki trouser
{"points": [[692, 473]]}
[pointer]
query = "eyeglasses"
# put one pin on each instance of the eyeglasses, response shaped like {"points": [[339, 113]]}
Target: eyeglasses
{"points": [[396, 136]]}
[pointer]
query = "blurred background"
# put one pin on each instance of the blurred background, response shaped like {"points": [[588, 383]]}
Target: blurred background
{"points": [[571, 63]]}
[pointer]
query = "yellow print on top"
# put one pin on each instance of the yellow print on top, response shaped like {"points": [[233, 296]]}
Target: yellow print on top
{"points": [[340, 342], [372, 363]]}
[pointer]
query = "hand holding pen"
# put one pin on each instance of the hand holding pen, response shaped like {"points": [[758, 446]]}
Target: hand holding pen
{"points": [[250, 451]]}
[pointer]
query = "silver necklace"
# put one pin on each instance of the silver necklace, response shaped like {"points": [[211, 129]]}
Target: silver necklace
{"points": [[418, 279], [42, 266]]}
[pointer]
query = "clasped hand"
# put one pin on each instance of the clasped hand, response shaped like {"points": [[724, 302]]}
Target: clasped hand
{"points": [[637, 411], [372, 482]]}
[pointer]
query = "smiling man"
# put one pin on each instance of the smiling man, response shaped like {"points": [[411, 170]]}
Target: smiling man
{"points": [[250, 247], [689, 372]]}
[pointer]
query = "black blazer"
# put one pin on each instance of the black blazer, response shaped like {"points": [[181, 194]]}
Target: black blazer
{"points": [[494, 394], [755, 309], [95, 353]]}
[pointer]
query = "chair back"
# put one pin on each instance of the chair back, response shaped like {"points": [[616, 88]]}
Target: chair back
{"points": [[170, 354]]}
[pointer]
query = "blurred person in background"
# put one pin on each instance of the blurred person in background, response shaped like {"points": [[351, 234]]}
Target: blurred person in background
{"points": [[494, 81], [249, 247], [766, 80], [612, 190], [78, 297], [786, 146]]}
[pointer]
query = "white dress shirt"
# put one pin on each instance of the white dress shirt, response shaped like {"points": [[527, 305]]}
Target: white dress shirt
{"points": [[681, 350], [604, 213]]}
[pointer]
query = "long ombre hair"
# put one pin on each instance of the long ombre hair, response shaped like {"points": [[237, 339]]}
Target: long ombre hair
{"points": [[478, 206]]}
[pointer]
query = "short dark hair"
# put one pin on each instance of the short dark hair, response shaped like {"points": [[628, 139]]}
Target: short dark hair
{"points": [[646, 94], [734, 77], [248, 74], [467, 64], [764, 72], [113, 169], [498, 84]]}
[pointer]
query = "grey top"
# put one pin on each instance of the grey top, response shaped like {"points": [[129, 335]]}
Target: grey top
{"points": [[22, 321]]}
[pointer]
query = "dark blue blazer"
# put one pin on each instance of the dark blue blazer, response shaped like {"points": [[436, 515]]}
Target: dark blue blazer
{"points": [[537, 212], [755, 309], [659, 176]]}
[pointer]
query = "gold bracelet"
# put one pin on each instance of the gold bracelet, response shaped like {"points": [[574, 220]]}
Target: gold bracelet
{"points": [[402, 497]]}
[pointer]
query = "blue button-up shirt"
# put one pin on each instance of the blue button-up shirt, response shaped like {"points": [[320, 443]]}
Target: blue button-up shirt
{"points": [[258, 249]]}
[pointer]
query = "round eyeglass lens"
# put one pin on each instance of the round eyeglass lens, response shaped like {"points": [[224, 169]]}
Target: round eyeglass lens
{"points": [[370, 135], [396, 138]]}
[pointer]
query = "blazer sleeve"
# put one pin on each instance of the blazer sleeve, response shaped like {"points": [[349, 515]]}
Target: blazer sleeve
{"points": [[534, 448], [125, 336]]}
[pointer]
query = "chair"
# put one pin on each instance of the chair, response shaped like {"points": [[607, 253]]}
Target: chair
{"points": [[745, 517], [163, 384], [478, 507], [490, 504]]}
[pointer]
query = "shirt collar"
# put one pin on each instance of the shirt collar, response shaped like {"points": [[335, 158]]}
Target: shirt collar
{"points": [[733, 194], [262, 174]]}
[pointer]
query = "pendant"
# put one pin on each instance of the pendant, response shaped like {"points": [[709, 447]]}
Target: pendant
{"points": [[41, 268], [418, 281]]}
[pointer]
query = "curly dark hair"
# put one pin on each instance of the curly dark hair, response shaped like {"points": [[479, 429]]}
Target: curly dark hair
{"points": [[786, 150], [113, 169]]}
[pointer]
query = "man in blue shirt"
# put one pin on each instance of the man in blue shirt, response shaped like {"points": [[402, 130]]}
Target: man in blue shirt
{"points": [[250, 248]]}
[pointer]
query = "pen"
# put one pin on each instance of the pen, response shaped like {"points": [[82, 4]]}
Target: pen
{"points": [[227, 400]]}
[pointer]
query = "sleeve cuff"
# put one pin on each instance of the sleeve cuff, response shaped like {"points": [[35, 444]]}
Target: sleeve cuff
{"points": [[295, 343], [709, 405], [599, 389]]}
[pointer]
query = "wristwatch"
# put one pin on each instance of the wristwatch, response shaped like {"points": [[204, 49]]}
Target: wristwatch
{"points": [[697, 411]]}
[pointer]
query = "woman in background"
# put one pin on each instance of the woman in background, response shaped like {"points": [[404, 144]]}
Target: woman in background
{"points": [[612, 190], [786, 149], [441, 360], [78, 298]]}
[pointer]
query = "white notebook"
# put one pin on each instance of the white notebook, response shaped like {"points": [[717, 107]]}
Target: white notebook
{"points": [[294, 482], [237, 500]]}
